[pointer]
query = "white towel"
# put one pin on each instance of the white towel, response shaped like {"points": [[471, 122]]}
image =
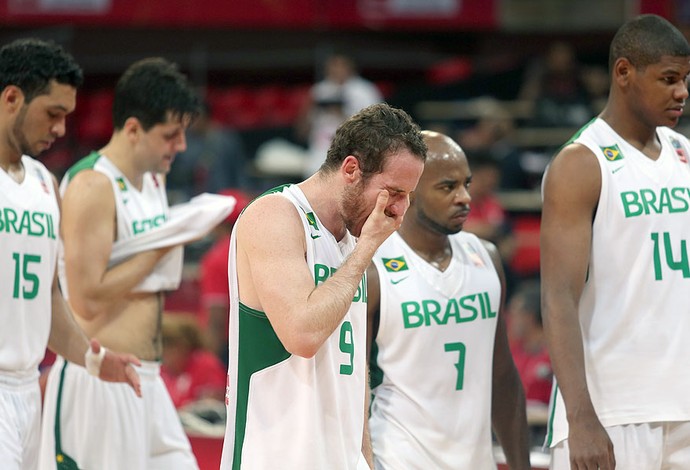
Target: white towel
{"points": [[189, 221]]}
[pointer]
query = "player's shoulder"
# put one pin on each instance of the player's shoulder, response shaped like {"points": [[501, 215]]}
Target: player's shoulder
{"points": [[272, 203], [88, 180], [271, 212], [573, 162]]}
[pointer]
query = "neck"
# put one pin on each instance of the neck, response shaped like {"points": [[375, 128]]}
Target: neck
{"points": [[10, 156], [638, 134], [323, 194], [431, 246], [122, 156]]}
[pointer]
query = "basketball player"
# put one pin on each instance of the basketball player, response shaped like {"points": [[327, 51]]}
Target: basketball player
{"points": [[297, 374], [38, 88], [615, 269], [441, 368], [111, 196]]}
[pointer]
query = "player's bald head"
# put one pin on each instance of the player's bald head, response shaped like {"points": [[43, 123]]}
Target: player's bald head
{"points": [[441, 147]]}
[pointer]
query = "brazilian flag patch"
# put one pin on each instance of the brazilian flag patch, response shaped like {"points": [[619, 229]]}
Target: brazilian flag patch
{"points": [[612, 153], [121, 184], [311, 219], [394, 265]]}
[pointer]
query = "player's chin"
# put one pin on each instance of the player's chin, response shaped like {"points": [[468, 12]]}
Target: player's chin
{"points": [[672, 118], [165, 167]]}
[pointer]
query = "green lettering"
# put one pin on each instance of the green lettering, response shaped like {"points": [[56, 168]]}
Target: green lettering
{"points": [[679, 194], [361, 294], [466, 303], [321, 273], [51, 227], [665, 201], [648, 199], [452, 311], [631, 204], [487, 303], [158, 220], [37, 228], [431, 310], [10, 219], [412, 318]]}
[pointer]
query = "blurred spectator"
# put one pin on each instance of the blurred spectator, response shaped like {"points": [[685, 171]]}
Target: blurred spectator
{"points": [[213, 280], [340, 94], [488, 218], [214, 159], [556, 84], [492, 135], [527, 342], [190, 372]]}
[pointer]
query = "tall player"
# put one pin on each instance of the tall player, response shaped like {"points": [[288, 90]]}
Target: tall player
{"points": [[615, 269], [442, 372], [38, 88]]}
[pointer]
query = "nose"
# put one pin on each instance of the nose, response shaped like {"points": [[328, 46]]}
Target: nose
{"points": [[399, 205], [462, 196], [682, 91], [181, 143], [59, 128]]}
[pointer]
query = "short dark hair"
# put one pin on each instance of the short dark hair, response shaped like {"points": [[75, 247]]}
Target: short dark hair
{"points": [[645, 39], [371, 136], [31, 64], [150, 89]]}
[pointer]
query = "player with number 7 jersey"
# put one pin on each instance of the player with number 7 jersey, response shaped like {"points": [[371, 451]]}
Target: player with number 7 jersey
{"points": [[441, 370]]}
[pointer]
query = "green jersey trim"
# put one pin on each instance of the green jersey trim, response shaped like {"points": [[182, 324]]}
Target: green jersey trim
{"points": [[86, 163], [552, 413], [258, 349], [375, 371], [62, 460]]}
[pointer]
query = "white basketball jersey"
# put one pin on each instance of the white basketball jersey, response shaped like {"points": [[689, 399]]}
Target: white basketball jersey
{"points": [[634, 310], [432, 359], [29, 227], [137, 211], [285, 411]]}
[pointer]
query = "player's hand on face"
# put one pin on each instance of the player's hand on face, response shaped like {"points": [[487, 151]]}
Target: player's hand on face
{"points": [[384, 218], [117, 367]]}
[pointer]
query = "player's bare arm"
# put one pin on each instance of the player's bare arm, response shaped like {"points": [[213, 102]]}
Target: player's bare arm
{"points": [[571, 192], [508, 407], [88, 228], [68, 339], [303, 315]]}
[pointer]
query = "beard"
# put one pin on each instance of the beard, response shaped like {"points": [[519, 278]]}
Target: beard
{"points": [[353, 207], [426, 221], [18, 133]]}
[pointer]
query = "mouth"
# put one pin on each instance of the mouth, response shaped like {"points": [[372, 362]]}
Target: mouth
{"points": [[677, 111], [460, 216]]}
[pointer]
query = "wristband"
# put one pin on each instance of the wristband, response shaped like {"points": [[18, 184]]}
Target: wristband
{"points": [[93, 361]]}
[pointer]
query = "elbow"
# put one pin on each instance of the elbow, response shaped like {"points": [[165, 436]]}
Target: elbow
{"points": [[87, 309], [302, 345]]}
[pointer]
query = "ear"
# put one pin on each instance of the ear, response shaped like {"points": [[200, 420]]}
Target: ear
{"points": [[132, 128], [623, 70], [12, 97], [350, 169]]}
